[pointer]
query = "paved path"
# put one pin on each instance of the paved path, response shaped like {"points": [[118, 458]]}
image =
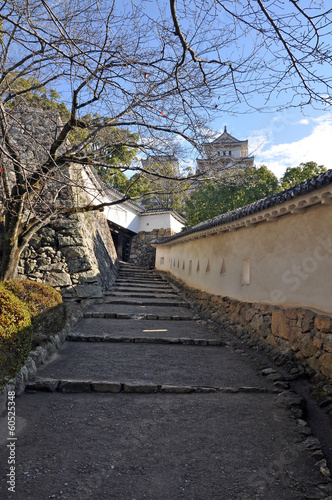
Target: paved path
{"points": [[145, 400]]}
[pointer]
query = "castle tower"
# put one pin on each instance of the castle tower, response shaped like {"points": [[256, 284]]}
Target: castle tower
{"points": [[224, 153]]}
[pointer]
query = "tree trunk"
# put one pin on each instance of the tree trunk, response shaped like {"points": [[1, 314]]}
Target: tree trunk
{"points": [[10, 258], [11, 248]]}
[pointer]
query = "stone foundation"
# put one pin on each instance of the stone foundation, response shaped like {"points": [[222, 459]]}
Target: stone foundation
{"points": [[300, 338]]}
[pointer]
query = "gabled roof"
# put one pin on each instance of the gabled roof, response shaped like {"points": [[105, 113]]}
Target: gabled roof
{"points": [[225, 137]]}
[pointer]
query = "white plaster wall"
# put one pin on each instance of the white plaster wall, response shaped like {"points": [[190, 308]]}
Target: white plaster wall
{"points": [[289, 261], [236, 153], [124, 216], [175, 225], [166, 220]]}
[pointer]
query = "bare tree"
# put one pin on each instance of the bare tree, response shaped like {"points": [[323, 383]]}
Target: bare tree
{"points": [[161, 72]]}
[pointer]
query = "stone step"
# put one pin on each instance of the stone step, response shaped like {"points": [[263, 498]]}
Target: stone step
{"points": [[158, 364], [145, 272], [135, 267], [129, 265], [142, 284], [146, 328], [114, 387], [137, 273], [139, 316], [124, 287], [162, 302], [140, 280], [137, 287], [160, 311], [143, 295], [143, 340]]}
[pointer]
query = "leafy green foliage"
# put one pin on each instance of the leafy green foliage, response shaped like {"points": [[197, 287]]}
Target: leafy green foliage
{"points": [[114, 146], [233, 190], [15, 335], [113, 177], [37, 297], [30, 313], [29, 92], [48, 313], [138, 187], [298, 174], [162, 190]]}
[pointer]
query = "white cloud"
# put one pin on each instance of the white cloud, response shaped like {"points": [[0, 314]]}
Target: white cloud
{"points": [[304, 121], [314, 147], [257, 140]]}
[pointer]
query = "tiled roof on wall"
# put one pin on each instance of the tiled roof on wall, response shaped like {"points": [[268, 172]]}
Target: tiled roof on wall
{"points": [[314, 183]]}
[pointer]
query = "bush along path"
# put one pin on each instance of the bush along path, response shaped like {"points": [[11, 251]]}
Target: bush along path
{"points": [[146, 400]]}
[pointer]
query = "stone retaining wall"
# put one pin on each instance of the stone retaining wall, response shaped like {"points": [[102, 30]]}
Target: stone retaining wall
{"points": [[301, 338], [75, 255], [141, 252]]}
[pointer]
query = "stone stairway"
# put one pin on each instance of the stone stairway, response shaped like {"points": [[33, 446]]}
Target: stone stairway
{"points": [[160, 316], [147, 401]]}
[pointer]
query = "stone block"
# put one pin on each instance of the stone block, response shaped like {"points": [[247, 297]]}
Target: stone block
{"points": [[49, 385], [307, 320], [256, 322], [205, 389], [57, 279], [323, 323], [21, 381], [290, 400], [327, 343], [74, 252], [50, 349], [31, 367], [103, 386], [69, 292], [36, 356], [295, 335], [42, 354], [140, 388], [325, 364], [88, 291], [318, 342], [176, 389], [291, 313], [74, 386], [306, 346], [280, 325], [249, 314], [73, 240], [78, 265], [314, 363]]}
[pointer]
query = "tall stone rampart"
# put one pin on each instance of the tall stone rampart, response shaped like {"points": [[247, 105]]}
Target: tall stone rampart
{"points": [[75, 253]]}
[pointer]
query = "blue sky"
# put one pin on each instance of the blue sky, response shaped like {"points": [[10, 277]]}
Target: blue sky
{"points": [[285, 139]]}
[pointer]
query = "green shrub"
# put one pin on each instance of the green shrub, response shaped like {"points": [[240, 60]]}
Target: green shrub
{"points": [[37, 297], [15, 335], [48, 313]]}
